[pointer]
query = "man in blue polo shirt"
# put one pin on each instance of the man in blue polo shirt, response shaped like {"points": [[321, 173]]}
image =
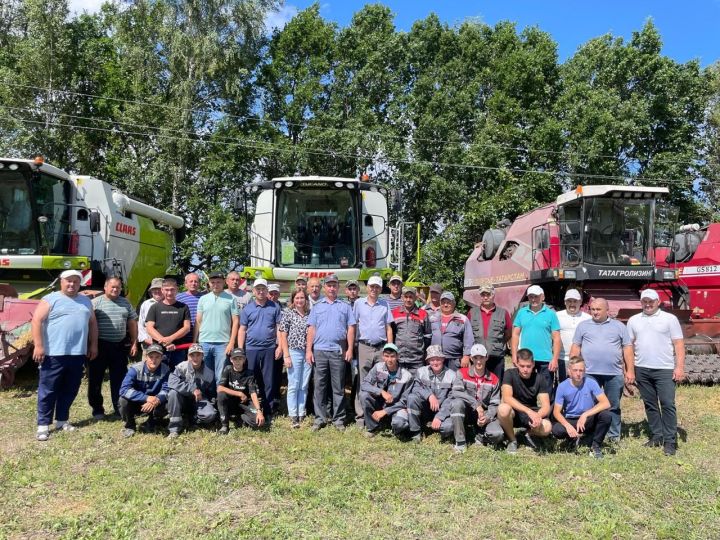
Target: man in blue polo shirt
{"points": [[331, 327], [605, 345], [373, 317], [581, 409], [258, 335], [536, 327]]}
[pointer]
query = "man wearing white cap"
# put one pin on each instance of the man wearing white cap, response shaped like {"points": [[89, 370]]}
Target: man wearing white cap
{"points": [[259, 337], [569, 318], [192, 392], [65, 332], [536, 327], [156, 295], [659, 364], [605, 345], [395, 298], [373, 317]]}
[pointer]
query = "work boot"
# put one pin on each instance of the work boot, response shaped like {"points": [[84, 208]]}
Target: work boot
{"points": [[653, 443], [128, 432], [669, 448], [224, 429], [512, 447]]}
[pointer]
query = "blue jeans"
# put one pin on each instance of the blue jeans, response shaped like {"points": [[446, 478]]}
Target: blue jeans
{"points": [[298, 380], [59, 383], [612, 385], [214, 357]]}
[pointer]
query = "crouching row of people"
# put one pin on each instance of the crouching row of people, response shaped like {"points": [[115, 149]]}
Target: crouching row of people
{"points": [[472, 400], [189, 394]]}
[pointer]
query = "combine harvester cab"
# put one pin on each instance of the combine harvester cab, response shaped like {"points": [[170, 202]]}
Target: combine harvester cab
{"points": [[597, 239], [52, 221], [314, 226]]}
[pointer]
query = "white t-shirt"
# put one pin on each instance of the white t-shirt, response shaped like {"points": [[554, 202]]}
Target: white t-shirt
{"points": [[653, 337], [142, 314], [568, 324]]}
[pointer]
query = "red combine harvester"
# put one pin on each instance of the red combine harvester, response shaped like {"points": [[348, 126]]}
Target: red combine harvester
{"points": [[600, 240]]}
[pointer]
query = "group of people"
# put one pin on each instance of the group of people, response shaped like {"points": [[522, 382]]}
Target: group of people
{"points": [[412, 366]]}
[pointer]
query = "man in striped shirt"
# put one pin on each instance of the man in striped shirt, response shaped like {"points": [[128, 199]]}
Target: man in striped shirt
{"points": [[116, 320]]}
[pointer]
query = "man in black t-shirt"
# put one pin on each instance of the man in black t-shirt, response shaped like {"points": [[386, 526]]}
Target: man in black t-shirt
{"points": [[525, 402], [238, 394], [168, 321]]}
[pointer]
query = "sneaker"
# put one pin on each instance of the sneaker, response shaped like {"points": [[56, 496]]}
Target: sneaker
{"points": [[67, 426], [669, 449], [530, 441], [127, 433], [596, 452], [295, 422], [653, 443], [42, 436], [370, 434], [224, 430], [459, 448], [173, 435], [512, 447]]}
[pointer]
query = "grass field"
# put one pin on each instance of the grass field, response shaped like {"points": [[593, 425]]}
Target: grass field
{"points": [[283, 483]]}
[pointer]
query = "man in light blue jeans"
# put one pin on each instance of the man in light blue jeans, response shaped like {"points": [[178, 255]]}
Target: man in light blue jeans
{"points": [[216, 325], [609, 359]]}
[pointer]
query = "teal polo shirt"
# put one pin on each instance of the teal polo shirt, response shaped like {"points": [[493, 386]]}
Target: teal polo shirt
{"points": [[536, 330], [217, 313]]}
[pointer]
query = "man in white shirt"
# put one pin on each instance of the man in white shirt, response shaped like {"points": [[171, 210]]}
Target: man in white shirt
{"points": [[569, 318], [659, 364]]}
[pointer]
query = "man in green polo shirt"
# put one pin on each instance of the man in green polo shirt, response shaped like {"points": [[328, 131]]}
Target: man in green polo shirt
{"points": [[217, 323], [536, 327]]}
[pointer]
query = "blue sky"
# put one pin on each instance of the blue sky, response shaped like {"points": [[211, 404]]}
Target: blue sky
{"points": [[689, 28]]}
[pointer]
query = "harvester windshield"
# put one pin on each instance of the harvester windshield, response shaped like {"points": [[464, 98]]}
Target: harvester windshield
{"points": [[24, 229], [617, 231], [317, 228]]}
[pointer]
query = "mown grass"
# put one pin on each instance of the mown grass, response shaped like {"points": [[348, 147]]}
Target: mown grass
{"points": [[283, 483]]}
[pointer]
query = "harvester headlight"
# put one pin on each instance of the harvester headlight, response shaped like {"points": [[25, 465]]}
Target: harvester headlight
{"points": [[668, 274], [289, 184], [2, 165], [570, 274], [13, 166], [349, 185], [278, 185], [258, 274], [338, 184], [67, 264]]}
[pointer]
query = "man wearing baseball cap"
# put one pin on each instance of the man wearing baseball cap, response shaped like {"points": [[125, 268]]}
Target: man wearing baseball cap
{"points": [[156, 296], [453, 332], [476, 398], [433, 305], [373, 317], [536, 327], [429, 399], [65, 333], [411, 330], [331, 334], [395, 299], [384, 394], [569, 319], [492, 327], [192, 392], [238, 394], [144, 390], [659, 365]]}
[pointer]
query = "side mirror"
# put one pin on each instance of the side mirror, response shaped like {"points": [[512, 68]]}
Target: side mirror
{"points": [[94, 221]]}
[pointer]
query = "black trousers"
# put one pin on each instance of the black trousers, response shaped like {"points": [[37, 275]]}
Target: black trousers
{"points": [[231, 405], [130, 409], [596, 427], [111, 356], [657, 389]]}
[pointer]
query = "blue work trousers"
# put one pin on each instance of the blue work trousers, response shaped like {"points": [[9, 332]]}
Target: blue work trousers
{"points": [[59, 383], [260, 362]]}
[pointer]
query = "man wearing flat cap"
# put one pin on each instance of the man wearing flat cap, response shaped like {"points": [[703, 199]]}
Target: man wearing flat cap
{"points": [[64, 331], [659, 365], [453, 332], [430, 399], [192, 393]]}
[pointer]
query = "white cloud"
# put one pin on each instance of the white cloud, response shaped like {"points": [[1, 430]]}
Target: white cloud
{"points": [[278, 19], [79, 6]]}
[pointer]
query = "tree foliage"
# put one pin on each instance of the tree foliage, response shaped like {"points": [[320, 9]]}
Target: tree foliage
{"points": [[184, 102]]}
